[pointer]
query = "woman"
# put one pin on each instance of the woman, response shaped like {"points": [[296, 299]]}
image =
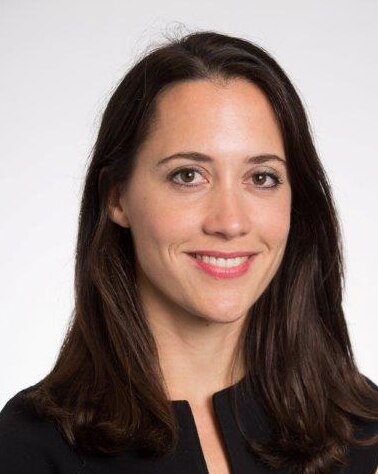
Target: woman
{"points": [[208, 334]]}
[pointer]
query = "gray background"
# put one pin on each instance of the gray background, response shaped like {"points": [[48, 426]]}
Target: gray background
{"points": [[60, 61]]}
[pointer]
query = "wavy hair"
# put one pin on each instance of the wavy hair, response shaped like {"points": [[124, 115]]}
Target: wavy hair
{"points": [[106, 391]]}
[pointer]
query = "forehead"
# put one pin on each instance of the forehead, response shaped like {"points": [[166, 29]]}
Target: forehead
{"points": [[217, 117], [232, 98]]}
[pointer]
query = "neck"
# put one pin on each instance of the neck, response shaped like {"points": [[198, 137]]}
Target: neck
{"points": [[198, 360]]}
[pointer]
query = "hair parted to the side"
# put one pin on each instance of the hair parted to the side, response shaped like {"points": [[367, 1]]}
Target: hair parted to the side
{"points": [[106, 390]]}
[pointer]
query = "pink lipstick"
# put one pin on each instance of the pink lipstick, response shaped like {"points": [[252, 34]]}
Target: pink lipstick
{"points": [[223, 272]]}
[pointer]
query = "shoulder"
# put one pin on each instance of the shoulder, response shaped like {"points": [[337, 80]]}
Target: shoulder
{"points": [[371, 383], [364, 458], [29, 444], [366, 428]]}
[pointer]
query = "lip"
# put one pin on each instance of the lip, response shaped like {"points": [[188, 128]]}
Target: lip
{"points": [[223, 273], [213, 253]]}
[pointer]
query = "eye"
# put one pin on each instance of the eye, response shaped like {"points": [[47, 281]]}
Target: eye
{"points": [[188, 172], [261, 177]]}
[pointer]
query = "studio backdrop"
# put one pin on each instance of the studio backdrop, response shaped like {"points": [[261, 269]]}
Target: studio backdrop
{"points": [[60, 62]]}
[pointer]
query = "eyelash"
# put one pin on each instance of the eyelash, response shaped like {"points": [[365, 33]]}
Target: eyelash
{"points": [[275, 178]]}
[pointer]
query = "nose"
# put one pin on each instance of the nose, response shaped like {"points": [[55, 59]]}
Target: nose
{"points": [[227, 214]]}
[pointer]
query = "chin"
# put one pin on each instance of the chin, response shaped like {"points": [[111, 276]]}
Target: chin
{"points": [[229, 315]]}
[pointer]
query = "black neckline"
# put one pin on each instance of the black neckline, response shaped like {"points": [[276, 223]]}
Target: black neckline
{"points": [[219, 394]]}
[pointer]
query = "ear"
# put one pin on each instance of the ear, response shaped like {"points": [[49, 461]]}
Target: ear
{"points": [[117, 209]]}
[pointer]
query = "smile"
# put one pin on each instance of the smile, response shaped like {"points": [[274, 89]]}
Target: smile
{"points": [[222, 268], [221, 262]]}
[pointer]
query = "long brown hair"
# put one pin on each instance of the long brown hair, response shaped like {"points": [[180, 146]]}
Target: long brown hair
{"points": [[106, 390]]}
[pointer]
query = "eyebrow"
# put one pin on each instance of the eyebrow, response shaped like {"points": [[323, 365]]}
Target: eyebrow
{"points": [[201, 157]]}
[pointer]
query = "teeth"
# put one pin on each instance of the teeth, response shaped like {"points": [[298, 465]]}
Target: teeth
{"points": [[222, 262]]}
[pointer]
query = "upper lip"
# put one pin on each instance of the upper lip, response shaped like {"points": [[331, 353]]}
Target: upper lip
{"points": [[213, 253]]}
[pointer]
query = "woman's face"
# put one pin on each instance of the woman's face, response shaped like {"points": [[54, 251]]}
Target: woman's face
{"points": [[220, 203]]}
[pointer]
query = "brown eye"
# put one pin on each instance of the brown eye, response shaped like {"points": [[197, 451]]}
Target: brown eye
{"points": [[186, 176], [261, 178]]}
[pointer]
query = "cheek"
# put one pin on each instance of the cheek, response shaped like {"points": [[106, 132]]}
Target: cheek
{"points": [[159, 223], [274, 223]]}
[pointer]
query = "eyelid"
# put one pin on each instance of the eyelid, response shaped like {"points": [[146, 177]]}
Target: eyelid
{"points": [[260, 167], [275, 175]]}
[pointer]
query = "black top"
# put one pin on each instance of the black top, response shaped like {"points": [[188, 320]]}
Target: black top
{"points": [[30, 445]]}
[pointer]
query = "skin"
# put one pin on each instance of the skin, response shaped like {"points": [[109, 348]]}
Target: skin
{"points": [[195, 318]]}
